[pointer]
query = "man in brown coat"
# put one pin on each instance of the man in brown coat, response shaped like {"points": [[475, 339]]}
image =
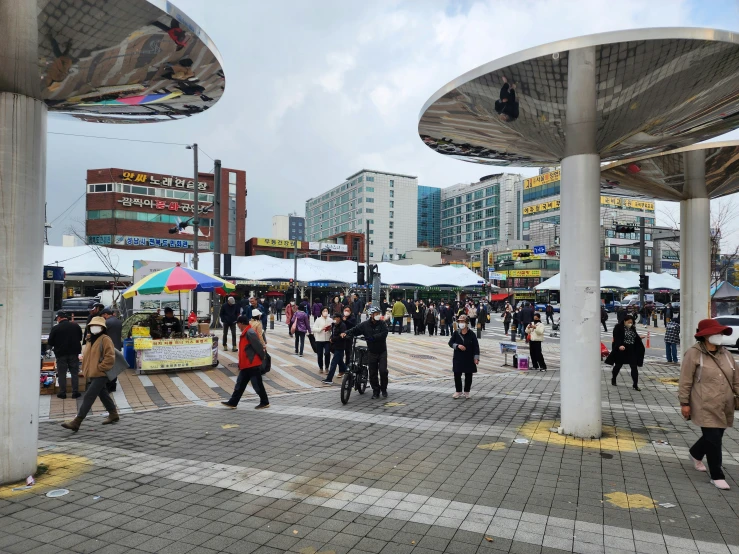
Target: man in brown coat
{"points": [[709, 381]]}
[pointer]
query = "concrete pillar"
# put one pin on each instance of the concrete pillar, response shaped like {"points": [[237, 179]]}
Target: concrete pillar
{"points": [[22, 195], [581, 372], [695, 248]]}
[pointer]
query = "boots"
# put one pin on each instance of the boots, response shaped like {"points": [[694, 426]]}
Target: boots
{"points": [[112, 418], [73, 425]]}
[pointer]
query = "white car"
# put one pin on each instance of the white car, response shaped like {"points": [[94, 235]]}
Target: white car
{"points": [[732, 340]]}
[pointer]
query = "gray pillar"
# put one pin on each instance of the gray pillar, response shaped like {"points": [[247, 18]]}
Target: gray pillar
{"points": [[581, 372], [695, 248], [22, 196]]}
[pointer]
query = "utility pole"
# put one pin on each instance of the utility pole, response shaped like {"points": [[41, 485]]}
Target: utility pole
{"points": [[642, 255], [195, 222], [367, 261], [295, 271], [216, 299]]}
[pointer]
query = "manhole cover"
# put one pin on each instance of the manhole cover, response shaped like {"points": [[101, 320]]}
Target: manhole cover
{"points": [[423, 356]]}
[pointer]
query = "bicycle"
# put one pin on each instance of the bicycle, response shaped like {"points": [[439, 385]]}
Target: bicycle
{"points": [[357, 374]]}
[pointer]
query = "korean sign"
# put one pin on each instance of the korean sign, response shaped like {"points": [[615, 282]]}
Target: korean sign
{"points": [[540, 180], [157, 204], [178, 353], [147, 179], [543, 207], [277, 243], [328, 246], [523, 273]]}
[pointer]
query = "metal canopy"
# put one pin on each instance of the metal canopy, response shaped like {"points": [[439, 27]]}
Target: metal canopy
{"points": [[138, 61], [662, 175], [657, 89]]}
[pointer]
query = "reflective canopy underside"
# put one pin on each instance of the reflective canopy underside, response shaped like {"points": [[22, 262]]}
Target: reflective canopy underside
{"points": [[663, 176], [657, 90], [132, 61]]}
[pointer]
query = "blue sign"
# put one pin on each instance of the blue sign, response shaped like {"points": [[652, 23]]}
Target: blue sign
{"points": [[540, 250]]}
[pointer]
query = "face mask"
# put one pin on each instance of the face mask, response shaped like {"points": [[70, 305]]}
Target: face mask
{"points": [[347, 314], [96, 329], [378, 317], [715, 339], [461, 325], [324, 314], [293, 302], [628, 325]]}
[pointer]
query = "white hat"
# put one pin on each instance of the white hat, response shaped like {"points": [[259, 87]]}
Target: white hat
{"points": [[255, 314]]}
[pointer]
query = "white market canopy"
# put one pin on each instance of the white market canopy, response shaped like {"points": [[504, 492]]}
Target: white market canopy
{"points": [[621, 280], [86, 260]]}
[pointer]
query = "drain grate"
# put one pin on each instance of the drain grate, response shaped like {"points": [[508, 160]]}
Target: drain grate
{"points": [[423, 356]]}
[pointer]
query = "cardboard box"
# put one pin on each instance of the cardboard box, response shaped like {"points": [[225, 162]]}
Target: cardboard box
{"points": [[204, 328]]}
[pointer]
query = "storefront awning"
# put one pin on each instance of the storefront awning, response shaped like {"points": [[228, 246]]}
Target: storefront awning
{"points": [[498, 297]]}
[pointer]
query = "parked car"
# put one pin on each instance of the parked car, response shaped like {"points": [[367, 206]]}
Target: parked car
{"points": [[732, 340], [613, 306], [79, 307]]}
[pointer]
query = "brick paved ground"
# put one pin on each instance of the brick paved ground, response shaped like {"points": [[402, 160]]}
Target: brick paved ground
{"points": [[416, 472]]}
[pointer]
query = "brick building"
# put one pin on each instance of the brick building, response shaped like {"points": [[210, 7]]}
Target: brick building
{"points": [[344, 246], [132, 209]]}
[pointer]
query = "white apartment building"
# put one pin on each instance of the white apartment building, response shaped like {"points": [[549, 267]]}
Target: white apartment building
{"points": [[389, 201]]}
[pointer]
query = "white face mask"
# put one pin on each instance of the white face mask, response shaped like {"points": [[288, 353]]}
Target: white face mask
{"points": [[378, 317], [347, 314], [293, 302], [461, 325], [324, 314], [96, 329], [628, 325], [715, 339]]}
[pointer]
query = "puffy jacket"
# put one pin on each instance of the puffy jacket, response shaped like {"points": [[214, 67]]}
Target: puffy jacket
{"points": [[374, 332], [537, 331], [251, 349], [317, 307], [302, 323], [289, 311], [66, 338], [318, 325], [98, 356]]}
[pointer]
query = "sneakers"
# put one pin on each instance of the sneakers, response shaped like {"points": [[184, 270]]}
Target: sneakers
{"points": [[77, 394], [261, 406], [234, 350], [467, 395], [720, 484], [384, 394], [613, 381], [229, 405], [326, 382], [375, 395], [697, 464], [456, 395], [300, 355], [636, 388]]}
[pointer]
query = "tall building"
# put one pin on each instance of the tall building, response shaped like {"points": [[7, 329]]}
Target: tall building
{"points": [[132, 209], [389, 201], [288, 227], [429, 222], [474, 215]]}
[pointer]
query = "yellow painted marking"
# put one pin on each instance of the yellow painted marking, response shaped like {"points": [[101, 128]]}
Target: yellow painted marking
{"points": [[669, 380], [626, 501], [393, 404], [229, 426], [63, 468], [492, 446], [657, 427], [216, 404], [614, 438]]}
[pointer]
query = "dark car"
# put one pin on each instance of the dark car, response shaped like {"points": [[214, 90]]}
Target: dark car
{"points": [[79, 307]]}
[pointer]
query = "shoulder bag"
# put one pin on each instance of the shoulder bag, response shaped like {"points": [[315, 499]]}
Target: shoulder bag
{"points": [[266, 364], [119, 364]]}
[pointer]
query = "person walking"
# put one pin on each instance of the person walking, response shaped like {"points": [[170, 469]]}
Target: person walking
{"points": [[290, 310], [417, 314], [466, 356], [115, 332], [322, 332], [399, 312], [300, 325], [627, 348], [445, 319], [603, 317], [535, 330], [507, 318], [98, 356], [375, 333], [620, 314], [483, 314], [94, 311], [316, 310], [337, 344], [667, 313], [709, 395], [526, 317], [66, 340], [472, 316], [515, 323], [230, 312], [350, 320], [549, 311], [672, 340], [252, 351], [279, 306]]}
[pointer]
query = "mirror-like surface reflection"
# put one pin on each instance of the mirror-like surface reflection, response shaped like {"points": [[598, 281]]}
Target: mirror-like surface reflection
{"points": [[132, 61], [657, 90]]}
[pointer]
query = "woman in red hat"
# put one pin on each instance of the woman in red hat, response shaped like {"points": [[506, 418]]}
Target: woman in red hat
{"points": [[709, 381]]}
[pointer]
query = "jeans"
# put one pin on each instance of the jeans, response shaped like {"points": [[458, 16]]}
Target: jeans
{"points": [[68, 362], [537, 358], [299, 338], [377, 363], [226, 327], [97, 388], [709, 445], [671, 350], [634, 372], [398, 321], [521, 330], [254, 375], [338, 359], [467, 381], [324, 354]]}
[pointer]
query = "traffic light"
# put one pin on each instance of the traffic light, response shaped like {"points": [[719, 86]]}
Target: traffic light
{"points": [[627, 229], [644, 282], [360, 275]]}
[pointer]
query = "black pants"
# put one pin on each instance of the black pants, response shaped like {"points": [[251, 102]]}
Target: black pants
{"points": [[604, 326], [467, 381], [97, 388], [432, 328], [226, 327], [473, 323], [537, 358], [634, 371], [506, 326], [377, 364], [279, 315], [69, 362], [417, 329], [254, 375], [550, 317], [348, 350], [709, 445], [299, 342], [324, 354]]}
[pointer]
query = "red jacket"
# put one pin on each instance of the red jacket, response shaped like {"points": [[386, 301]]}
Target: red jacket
{"points": [[251, 350]]}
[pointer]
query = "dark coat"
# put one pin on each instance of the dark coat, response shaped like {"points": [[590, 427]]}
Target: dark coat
{"points": [[603, 314], [115, 330], [375, 333], [337, 343], [630, 355], [527, 315], [66, 338], [464, 361], [229, 313]]}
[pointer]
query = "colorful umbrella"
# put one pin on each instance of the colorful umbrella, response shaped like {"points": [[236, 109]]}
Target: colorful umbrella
{"points": [[178, 279]]}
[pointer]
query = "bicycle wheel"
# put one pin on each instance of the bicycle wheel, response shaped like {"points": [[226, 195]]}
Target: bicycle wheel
{"points": [[362, 381], [346, 387]]}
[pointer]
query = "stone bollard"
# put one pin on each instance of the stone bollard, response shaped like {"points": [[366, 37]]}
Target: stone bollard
{"points": [[479, 330], [271, 321]]}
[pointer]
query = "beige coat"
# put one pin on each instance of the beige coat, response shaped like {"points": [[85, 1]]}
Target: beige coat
{"points": [[320, 323], [537, 331], [91, 365], [707, 391]]}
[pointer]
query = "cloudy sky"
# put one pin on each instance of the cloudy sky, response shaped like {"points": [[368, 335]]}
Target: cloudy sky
{"points": [[318, 90]]}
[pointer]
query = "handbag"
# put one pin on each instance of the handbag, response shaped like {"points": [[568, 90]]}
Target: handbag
{"points": [[312, 340], [266, 364], [119, 364], [294, 327]]}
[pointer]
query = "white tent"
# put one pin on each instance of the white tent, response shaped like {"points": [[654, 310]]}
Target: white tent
{"points": [[621, 280]]}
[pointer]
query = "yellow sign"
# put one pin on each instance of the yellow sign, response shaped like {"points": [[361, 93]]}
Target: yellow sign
{"points": [[143, 343], [516, 254], [139, 331], [638, 204], [277, 243], [610, 201], [540, 180], [604, 201], [523, 273], [178, 353], [543, 207]]}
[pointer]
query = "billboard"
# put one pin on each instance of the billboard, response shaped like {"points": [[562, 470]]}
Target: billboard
{"points": [[153, 302]]}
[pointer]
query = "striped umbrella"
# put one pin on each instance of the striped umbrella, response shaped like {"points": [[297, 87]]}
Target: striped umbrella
{"points": [[178, 279]]}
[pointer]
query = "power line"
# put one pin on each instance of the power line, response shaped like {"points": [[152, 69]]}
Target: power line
{"points": [[123, 139], [72, 205]]}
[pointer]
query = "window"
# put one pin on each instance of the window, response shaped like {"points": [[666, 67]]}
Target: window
{"points": [[392, 183], [372, 254], [370, 200], [359, 179], [390, 244], [370, 210], [392, 223], [391, 234], [392, 194], [370, 189], [392, 204], [370, 178], [372, 231], [392, 214]]}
